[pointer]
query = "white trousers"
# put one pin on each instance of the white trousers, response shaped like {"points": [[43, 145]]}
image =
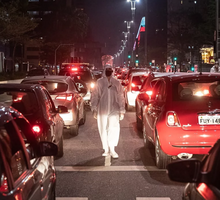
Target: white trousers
{"points": [[109, 130]]}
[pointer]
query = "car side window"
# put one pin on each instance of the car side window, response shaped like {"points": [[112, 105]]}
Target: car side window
{"points": [[49, 104], [159, 90]]}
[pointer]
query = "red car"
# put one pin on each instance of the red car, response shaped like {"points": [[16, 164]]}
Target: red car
{"points": [[182, 116]]}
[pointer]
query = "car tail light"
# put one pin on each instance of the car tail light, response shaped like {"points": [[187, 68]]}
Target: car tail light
{"points": [[74, 69], [68, 97], [36, 129], [18, 99], [3, 183], [149, 93], [92, 85], [172, 119], [133, 85]]}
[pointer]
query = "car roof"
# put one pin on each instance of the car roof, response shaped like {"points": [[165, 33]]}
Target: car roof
{"points": [[138, 73], [51, 77]]}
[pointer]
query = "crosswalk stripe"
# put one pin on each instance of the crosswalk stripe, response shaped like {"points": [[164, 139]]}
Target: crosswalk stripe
{"points": [[138, 198], [153, 198], [71, 198], [107, 168]]}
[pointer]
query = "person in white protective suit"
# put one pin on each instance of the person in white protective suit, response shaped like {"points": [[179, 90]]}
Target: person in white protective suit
{"points": [[215, 68], [108, 107]]}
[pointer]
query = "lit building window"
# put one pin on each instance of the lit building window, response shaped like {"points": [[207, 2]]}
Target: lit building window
{"points": [[33, 0], [33, 13], [181, 1]]}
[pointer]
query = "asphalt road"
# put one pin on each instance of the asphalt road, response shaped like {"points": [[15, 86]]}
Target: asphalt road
{"points": [[83, 174]]}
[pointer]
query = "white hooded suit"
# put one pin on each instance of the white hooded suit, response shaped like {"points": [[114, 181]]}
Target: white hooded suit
{"points": [[108, 100]]}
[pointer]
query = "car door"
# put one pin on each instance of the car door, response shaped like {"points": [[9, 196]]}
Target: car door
{"points": [[53, 118], [21, 181], [155, 106]]}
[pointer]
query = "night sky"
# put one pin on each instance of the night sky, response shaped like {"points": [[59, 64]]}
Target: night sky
{"points": [[107, 19]]}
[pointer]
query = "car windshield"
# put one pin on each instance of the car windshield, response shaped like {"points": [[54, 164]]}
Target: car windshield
{"points": [[24, 102], [196, 90]]}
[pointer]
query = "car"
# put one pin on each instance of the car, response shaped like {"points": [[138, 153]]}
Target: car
{"points": [[64, 91], [38, 71], [202, 176], [35, 103], [182, 118], [26, 165], [132, 88], [80, 71], [142, 97]]}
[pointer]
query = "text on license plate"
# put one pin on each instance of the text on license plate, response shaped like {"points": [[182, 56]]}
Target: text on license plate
{"points": [[209, 120]]}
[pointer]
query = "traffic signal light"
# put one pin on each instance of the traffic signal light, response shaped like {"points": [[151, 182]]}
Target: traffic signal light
{"points": [[192, 69], [136, 61], [175, 58], [150, 63], [129, 56]]}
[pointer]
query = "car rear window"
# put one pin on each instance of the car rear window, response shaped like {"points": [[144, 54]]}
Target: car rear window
{"points": [[138, 80], [24, 102], [52, 86], [85, 76], [196, 90]]}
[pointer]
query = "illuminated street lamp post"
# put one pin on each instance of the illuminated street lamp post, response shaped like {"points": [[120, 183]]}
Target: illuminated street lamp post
{"points": [[126, 35], [133, 7], [128, 25]]}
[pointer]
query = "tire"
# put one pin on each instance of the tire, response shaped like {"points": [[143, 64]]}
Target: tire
{"points": [[53, 194], [162, 159], [60, 147], [83, 120], [74, 130], [147, 143]]}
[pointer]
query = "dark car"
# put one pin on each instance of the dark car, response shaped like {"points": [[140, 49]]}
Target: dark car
{"points": [[64, 91], [38, 71], [202, 177], [182, 118], [27, 171], [80, 71], [35, 103]]}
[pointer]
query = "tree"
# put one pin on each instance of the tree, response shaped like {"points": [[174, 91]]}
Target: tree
{"points": [[15, 26]]}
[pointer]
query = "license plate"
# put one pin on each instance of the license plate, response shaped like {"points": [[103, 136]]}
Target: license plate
{"points": [[209, 120]]}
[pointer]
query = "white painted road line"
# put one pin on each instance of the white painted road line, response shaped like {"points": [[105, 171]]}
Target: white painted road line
{"points": [[71, 198], [138, 198], [106, 168], [153, 198]]}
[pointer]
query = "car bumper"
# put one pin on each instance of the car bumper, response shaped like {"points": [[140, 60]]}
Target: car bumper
{"points": [[68, 118], [175, 140]]}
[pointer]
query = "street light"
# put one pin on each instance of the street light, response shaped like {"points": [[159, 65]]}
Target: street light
{"points": [[126, 35], [133, 7], [128, 25]]}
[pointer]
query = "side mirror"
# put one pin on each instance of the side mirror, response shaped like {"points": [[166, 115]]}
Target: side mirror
{"points": [[184, 171], [62, 109], [47, 149]]}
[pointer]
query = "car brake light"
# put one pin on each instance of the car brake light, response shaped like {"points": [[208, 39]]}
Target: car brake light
{"points": [[92, 85], [4, 183], [149, 93], [18, 99], [68, 97], [36, 129], [133, 85], [172, 119], [74, 69]]}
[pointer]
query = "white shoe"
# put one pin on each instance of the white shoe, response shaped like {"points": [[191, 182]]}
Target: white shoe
{"points": [[105, 154], [114, 154]]}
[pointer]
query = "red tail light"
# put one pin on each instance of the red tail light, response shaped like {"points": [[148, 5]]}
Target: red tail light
{"points": [[36, 129], [149, 93], [74, 69], [133, 85], [68, 97], [172, 119], [4, 183]]}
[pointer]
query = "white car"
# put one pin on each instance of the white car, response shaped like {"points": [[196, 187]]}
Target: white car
{"points": [[132, 88]]}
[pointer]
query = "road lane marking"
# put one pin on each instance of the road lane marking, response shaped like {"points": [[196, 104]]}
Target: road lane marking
{"points": [[71, 198], [106, 168], [153, 198]]}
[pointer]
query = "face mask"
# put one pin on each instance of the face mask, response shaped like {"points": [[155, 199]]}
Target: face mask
{"points": [[108, 73]]}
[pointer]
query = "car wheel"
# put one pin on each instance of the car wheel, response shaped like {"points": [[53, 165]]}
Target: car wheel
{"points": [[147, 143], [60, 147], [83, 120], [162, 159], [74, 130]]}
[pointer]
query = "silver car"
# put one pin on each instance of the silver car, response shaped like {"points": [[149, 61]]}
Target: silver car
{"points": [[64, 91]]}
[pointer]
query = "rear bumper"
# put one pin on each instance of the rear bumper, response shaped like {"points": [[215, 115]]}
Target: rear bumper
{"points": [[68, 118], [174, 140]]}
